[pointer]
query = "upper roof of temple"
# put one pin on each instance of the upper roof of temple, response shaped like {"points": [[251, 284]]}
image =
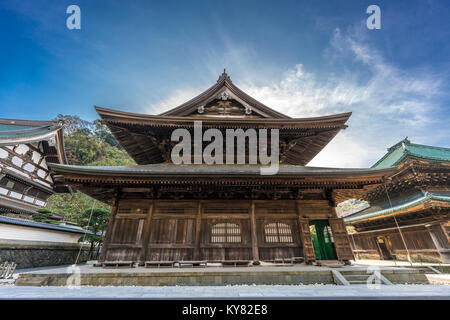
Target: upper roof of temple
{"points": [[404, 150], [224, 99], [147, 137]]}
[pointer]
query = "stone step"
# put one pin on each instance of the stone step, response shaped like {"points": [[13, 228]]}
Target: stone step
{"points": [[30, 281], [330, 263], [357, 281], [357, 277]]}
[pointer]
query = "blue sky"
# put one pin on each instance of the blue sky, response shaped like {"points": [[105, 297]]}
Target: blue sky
{"points": [[304, 58]]}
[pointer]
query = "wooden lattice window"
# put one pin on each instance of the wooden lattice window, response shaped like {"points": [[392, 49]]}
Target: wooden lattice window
{"points": [[278, 232], [226, 232]]}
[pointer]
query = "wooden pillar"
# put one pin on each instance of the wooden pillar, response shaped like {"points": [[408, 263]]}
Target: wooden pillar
{"points": [[198, 228], [440, 239], [109, 230], [305, 234], [146, 237], [255, 249]]}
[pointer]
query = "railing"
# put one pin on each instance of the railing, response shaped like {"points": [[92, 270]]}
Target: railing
{"points": [[7, 270]]}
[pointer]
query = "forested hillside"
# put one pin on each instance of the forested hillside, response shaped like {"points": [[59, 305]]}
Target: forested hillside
{"points": [[86, 143]]}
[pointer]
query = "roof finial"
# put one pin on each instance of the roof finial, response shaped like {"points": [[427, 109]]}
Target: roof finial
{"points": [[224, 75]]}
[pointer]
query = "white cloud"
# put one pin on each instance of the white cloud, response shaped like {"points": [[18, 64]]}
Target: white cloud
{"points": [[388, 103], [176, 99], [344, 152]]}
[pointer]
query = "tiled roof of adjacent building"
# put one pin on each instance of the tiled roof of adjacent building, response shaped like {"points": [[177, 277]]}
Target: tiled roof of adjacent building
{"points": [[399, 204], [25, 131], [407, 150], [42, 225]]}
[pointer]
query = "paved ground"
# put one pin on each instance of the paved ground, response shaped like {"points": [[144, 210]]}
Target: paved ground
{"points": [[439, 278], [392, 263], [226, 292], [231, 292]]}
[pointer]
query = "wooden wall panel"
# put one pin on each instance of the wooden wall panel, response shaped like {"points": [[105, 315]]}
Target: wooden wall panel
{"points": [[171, 239], [167, 230], [315, 209], [216, 251], [274, 244], [126, 234], [122, 254]]}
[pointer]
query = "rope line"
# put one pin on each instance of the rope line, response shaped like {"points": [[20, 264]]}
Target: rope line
{"points": [[85, 232], [398, 227]]}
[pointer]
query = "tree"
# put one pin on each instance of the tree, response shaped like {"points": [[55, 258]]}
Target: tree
{"points": [[82, 148], [88, 144], [85, 149], [96, 221], [73, 123], [102, 132], [72, 205], [43, 215]]}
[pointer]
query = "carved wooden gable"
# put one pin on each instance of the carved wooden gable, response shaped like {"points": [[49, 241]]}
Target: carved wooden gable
{"points": [[225, 108]]}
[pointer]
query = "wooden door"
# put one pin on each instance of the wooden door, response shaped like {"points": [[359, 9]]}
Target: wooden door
{"points": [[341, 241], [308, 248]]}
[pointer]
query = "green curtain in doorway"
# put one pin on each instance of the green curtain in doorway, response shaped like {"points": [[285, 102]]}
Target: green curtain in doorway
{"points": [[321, 238]]}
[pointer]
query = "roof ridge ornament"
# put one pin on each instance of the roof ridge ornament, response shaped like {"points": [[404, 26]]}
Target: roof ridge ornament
{"points": [[224, 95], [224, 76]]}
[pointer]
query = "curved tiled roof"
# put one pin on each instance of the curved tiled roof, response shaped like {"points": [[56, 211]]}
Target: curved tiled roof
{"points": [[224, 81], [168, 169], [26, 131], [146, 138], [398, 205], [404, 149]]}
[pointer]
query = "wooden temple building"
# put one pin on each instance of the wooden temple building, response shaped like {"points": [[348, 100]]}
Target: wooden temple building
{"points": [[409, 215], [161, 211], [26, 148]]}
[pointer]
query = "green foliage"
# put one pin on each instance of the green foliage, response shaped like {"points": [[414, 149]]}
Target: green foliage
{"points": [[89, 144], [43, 217], [43, 210], [83, 149], [38, 217], [72, 206], [96, 221]]}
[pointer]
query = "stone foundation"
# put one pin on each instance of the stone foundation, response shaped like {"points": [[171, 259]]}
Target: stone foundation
{"points": [[206, 277], [27, 254]]}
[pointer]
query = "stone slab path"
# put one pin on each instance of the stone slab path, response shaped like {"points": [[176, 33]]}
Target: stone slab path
{"points": [[231, 292]]}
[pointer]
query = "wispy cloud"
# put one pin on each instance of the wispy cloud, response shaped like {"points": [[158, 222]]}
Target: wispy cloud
{"points": [[388, 103], [176, 99]]}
